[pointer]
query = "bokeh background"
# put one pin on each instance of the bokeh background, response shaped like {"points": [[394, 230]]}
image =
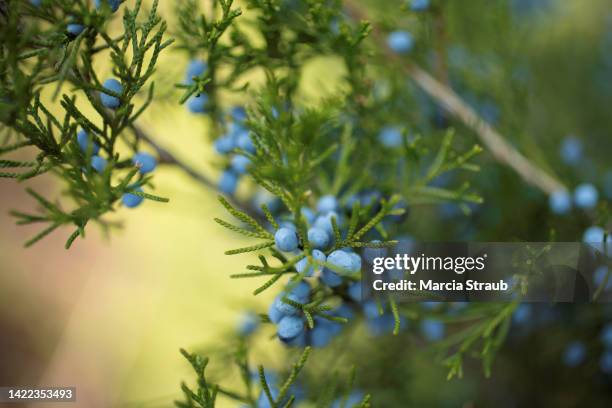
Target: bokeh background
{"points": [[109, 315]]}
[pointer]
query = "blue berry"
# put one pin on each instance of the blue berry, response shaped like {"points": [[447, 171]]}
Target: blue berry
{"points": [[606, 362], [98, 163], [145, 162], [370, 309], [240, 163], [574, 354], [290, 327], [36, 3], [110, 101], [195, 68], [284, 307], [308, 215], [318, 238], [224, 144], [85, 143], [286, 239], [274, 314], [419, 5], [75, 29], [245, 143], [331, 278], [327, 203], [228, 182], [113, 4], [432, 329], [248, 324], [593, 234], [301, 265], [560, 202], [606, 336], [344, 262], [301, 291], [325, 221], [521, 314], [571, 150], [321, 335], [390, 136], [132, 200], [586, 196], [400, 42], [197, 103], [354, 292], [287, 224], [238, 114]]}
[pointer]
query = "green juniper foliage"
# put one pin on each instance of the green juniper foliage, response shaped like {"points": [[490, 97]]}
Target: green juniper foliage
{"points": [[338, 174]]}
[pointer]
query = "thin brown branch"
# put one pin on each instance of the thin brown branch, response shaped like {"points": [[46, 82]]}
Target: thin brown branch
{"points": [[166, 157], [492, 139]]}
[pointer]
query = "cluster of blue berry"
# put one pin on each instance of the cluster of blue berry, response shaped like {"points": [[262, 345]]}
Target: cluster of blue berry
{"points": [[576, 352], [585, 195], [236, 144], [145, 162], [196, 103]]}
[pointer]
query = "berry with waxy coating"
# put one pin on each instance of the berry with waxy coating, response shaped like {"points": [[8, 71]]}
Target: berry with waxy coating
{"points": [[286, 239], [344, 262], [318, 238], [330, 278], [228, 182], [145, 162], [574, 354], [308, 215], [98, 163], [606, 336], [248, 324], [593, 234], [327, 203], [75, 29], [560, 202], [113, 4], [132, 200], [285, 308], [224, 144], [245, 143], [325, 221], [586, 196], [432, 329], [197, 103], [290, 327], [85, 142], [110, 101], [419, 5], [390, 136], [195, 68], [571, 150], [400, 42], [274, 314], [240, 163], [301, 265]]}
